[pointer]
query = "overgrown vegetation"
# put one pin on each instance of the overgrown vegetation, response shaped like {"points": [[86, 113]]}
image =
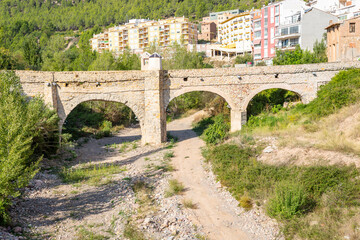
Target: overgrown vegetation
{"points": [[311, 202], [99, 118], [26, 133], [299, 56], [298, 191], [342, 91], [271, 100]]}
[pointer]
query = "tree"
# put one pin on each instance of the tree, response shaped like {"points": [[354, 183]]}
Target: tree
{"points": [[19, 121], [104, 62], [32, 53], [244, 59], [6, 60], [299, 56]]}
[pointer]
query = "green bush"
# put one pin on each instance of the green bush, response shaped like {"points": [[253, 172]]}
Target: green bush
{"points": [[106, 128], [341, 91], [244, 59], [289, 199], [22, 121], [217, 131]]}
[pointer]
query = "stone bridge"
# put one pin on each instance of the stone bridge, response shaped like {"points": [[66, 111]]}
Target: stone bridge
{"points": [[148, 92]]}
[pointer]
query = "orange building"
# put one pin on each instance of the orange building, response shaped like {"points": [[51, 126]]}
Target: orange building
{"points": [[343, 40], [208, 31]]}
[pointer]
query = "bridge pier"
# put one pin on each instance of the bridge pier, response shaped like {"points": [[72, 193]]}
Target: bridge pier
{"points": [[154, 128], [238, 118]]}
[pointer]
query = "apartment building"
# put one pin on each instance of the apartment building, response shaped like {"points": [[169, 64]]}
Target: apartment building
{"points": [[209, 24], [343, 40], [208, 31], [218, 17], [139, 34], [236, 35], [343, 9], [266, 25]]}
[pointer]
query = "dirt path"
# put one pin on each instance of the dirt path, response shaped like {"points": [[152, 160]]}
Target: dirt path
{"points": [[211, 213], [216, 213], [54, 209]]}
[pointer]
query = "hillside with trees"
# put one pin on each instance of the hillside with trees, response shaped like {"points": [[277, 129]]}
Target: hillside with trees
{"points": [[64, 15]]}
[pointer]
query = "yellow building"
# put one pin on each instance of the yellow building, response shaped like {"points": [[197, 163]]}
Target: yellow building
{"points": [[235, 34], [141, 33]]}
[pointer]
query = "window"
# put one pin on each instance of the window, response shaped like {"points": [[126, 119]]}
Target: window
{"points": [[257, 24], [265, 43], [294, 29], [344, 17], [257, 56], [284, 31], [277, 20], [352, 27], [266, 32], [265, 12], [277, 8], [257, 34], [294, 42], [266, 22]]}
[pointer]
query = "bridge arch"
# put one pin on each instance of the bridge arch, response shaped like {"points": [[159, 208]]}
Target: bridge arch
{"points": [[178, 92], [68, 106], [287, 87]]}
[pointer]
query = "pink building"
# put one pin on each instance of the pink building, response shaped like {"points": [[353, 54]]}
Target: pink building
{"points": [[266, 27]]}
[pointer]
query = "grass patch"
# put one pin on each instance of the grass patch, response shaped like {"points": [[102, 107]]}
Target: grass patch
{"points": [[84, 234], [175, 188], [91, 175], [188, 203], [143, 193], [133, 233], [168, 155]]}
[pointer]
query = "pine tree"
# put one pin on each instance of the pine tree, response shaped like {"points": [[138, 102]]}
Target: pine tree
{"points": [[19, 119]]}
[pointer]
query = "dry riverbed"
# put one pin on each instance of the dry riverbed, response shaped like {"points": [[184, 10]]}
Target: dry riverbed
{"points": [[127, 194]]}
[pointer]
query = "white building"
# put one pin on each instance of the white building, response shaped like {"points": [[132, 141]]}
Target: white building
{"points": [[235, 35], [343, 9]]}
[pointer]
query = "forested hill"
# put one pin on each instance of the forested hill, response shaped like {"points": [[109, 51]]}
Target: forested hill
{"points": [[75, 14]]}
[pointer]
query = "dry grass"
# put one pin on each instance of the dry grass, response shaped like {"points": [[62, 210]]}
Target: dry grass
{"points": [[338, 142], [175, 188], [246, 202], [188, 203], [199, 117]]}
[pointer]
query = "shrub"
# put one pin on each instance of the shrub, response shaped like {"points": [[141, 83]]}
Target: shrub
{"points": [[245, 202], [288, 200], [175, 187], [217, 131], [244, 59], [106, 128]]}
